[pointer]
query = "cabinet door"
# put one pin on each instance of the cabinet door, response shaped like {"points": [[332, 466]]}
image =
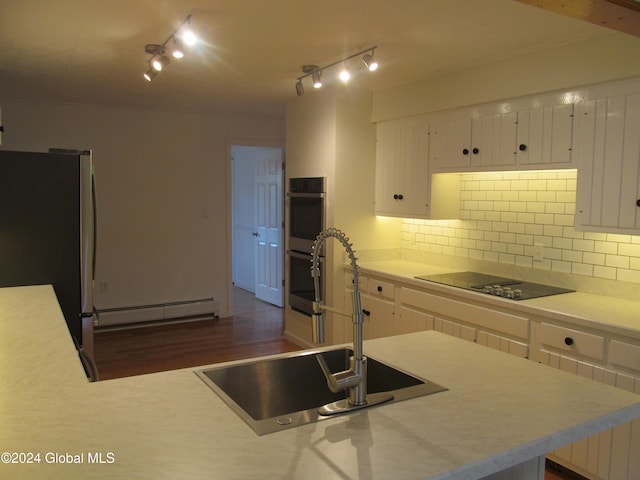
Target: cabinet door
{"points": [[545, 137], [377, 318], [402, 168], [410, 320], [449, 143], [493, 140], [608, 143], [463, 142]]}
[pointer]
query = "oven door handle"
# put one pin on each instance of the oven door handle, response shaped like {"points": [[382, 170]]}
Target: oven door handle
{"points": [[305, 195], [303, 256]]}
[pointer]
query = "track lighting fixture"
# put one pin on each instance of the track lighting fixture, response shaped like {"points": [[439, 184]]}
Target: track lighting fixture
{"points": [[316, 78], [150, 74], [344, 74], [370, 62], [177, 50], [315, 71], [158, 60]]}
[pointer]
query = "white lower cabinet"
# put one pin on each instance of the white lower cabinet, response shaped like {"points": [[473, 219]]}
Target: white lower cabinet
{"points": [[393, 309], [377, 302], [493, 328], [615, 453], [410, 320]]}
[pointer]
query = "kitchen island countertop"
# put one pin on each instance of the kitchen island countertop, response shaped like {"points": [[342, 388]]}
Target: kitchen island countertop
{"points": [[499, 411]]}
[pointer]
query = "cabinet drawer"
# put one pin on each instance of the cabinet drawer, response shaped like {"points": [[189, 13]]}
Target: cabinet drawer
{"points": [[625, 355], [573, 341], [475, 315], [381, 288], [348, 281]]}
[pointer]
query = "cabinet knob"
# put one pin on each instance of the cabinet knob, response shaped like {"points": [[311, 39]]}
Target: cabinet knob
{"points": [[465, 151], [522, 147], [638, 202], [568, 341], [379, 288], [366, 312], [475, 151]]}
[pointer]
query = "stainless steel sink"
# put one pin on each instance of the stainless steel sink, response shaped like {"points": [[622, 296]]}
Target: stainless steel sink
{"points": [[274, 394]]}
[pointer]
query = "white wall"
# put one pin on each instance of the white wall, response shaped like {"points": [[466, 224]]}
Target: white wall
{"points": [[330, 134], [502, 216], [162, 191], [598, 60]]}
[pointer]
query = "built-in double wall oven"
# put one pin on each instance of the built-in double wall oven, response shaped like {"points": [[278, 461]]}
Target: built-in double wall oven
{"points": [[306, 221]]}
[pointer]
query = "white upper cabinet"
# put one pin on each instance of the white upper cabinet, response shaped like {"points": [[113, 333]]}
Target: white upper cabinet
{"points": [[463, 142], [545, 137], [608, 147], [402, 168], [539, 137]]}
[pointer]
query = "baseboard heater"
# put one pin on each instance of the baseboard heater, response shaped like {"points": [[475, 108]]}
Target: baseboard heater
{"points": [[155, 313]]}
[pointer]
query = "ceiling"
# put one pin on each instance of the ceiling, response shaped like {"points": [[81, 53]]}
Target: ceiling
{"points": [[92, 51]]}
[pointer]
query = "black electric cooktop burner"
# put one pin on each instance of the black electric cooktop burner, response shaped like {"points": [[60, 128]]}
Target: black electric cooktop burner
{"points": [[497, 286]]}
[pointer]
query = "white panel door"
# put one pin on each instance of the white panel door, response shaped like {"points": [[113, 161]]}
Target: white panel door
{"points": [[269, 243], [608, 194], [545, 136]]}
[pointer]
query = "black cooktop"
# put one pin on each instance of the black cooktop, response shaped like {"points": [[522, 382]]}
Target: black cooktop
{"points": [[493, 285]]}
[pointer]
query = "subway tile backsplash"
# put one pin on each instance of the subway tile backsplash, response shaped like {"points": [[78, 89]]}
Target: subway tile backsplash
{"points": [[505, 215]]}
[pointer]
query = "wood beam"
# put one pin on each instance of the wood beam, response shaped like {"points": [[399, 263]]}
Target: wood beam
{"points": [[620, 15]]}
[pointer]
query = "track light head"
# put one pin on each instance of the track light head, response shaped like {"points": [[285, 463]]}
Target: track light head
{"points": [[299, 88], [316, 77], [186, 33], [344, 74], [189, 37], [150, 74], [370, 62], [158, 62], [177, 50]]}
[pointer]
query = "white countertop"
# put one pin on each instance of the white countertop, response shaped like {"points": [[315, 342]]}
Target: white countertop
{"points": [[499, 411], [616, 315]]}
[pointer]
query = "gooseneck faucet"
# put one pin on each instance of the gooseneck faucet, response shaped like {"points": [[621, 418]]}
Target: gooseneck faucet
{"points": [[355, 378]]}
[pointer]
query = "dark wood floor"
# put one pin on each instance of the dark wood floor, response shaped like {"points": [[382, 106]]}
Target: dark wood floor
{"points": [[255, 329]]}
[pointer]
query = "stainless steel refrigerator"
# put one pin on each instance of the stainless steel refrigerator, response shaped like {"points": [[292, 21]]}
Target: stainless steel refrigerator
{"points": [[47, 231]]}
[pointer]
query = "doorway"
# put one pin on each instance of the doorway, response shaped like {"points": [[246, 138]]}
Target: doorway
{"points": [[257, 213]]}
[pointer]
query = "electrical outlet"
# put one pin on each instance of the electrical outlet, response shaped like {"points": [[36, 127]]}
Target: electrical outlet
{"points": [[104, 286], [538, 252]]}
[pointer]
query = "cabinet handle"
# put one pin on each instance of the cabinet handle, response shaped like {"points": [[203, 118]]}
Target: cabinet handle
{"points": [[465, 151], [475, 151], [568, 341], [380, 288], [366, 312], [522, 147], [638, 202]]}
